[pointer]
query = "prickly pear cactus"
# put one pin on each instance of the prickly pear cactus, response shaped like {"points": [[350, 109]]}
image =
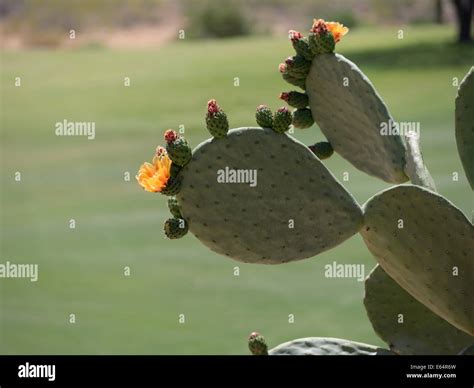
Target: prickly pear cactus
{"points": [[465, 124], [351, 115], [259, 196], [406, 325], [425, 244], [319, 346], [348, 109]]}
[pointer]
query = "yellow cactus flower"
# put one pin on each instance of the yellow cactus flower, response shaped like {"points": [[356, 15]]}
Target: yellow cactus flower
{"points": [[338, 30], [154, 176]]}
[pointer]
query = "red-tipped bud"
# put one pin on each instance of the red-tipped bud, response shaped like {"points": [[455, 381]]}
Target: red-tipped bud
{"points": [[170, 136], [285, 96], [213, 107], [289, 61], [319, 27], [160, 151], [295, 35], [283, 109], [282, 68]]}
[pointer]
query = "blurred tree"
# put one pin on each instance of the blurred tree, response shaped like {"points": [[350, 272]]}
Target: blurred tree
{"points": [[464, 10], [439, 11]]}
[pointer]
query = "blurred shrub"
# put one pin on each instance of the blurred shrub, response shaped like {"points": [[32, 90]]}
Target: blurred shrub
{"points": [[346, 17], [216, 19]]}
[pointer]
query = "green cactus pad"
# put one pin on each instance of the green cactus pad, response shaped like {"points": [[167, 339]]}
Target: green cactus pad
{"points": [[406, 325], [351, 114], [296, 210], [319, 346], [415, 167], [302, 118], [425, 244], [465, 124], [175, 228]]}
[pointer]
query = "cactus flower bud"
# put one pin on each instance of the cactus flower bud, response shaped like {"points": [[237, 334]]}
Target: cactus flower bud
{"points": [[264, 116], [257, 344], [216, 120]]}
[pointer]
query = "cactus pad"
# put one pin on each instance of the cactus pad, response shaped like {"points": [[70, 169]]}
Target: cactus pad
{"points": [[350, 113], [465, 124], [319, 346], [425, 244], [295, 210], [417, 330]]}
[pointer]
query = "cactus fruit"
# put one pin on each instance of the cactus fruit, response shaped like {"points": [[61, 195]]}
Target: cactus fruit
{"points": [[300, 82], [173, 185], [302, 118], [351, 115], [293, 207], [173, 207], [318, 346], [415, 168], [323, 150], [405, 324], [301, 45], [425, 244], [282, 120], [297, 66], [175, 228], [264, 116], [321, 40], [465, 124], [257, 344], [295, 99], [177, 148], [216, 120]]}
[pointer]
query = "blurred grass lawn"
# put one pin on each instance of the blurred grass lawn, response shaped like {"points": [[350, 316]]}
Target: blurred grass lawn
{"points": [[117, 224]]}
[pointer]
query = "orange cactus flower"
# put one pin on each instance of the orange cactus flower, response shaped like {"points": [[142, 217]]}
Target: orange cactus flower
{"points": [[338, 30], [154, 176]]}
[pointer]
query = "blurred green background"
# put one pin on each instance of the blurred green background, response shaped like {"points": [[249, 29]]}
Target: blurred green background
{"points": [[81, 270]]}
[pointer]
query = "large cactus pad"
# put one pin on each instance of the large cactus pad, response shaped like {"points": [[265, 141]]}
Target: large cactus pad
{"points": [[407, 326], [425, 244], [465, 124], [294, 209], [351, 114], [319, 346]]}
